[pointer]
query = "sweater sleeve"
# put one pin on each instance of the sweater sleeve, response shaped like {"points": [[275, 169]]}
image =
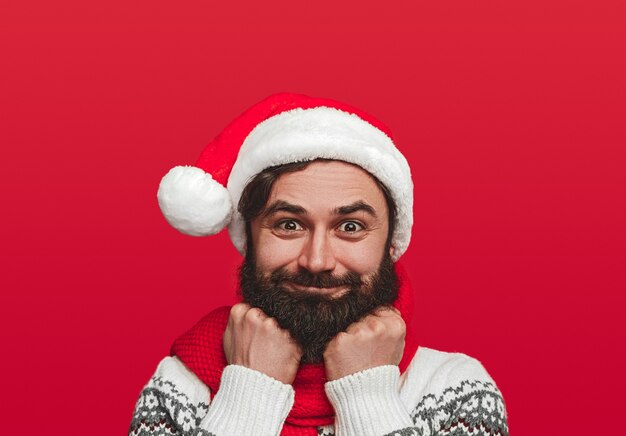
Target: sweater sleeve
{"points": [[458, 398], [368, 402], [175, 401]]}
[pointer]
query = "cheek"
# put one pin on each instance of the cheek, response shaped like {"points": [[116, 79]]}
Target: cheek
{"points": [[272, 252], [363, 259]]}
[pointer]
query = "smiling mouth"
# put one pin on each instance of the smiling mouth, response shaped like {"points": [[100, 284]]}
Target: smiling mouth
{"points": [[333, 292]]}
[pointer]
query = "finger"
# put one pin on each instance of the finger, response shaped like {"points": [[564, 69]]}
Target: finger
{"points": [[239, 310], [255, 315], [392, 318]]}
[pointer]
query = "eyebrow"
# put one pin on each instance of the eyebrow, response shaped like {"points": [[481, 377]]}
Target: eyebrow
{"points": [[284, 206], [357, 206]]}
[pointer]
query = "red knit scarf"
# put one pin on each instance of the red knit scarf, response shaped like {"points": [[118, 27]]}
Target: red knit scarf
{"points": [[202, 351]]}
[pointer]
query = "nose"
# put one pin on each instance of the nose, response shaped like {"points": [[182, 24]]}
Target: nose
{"points": [[317, 254]]}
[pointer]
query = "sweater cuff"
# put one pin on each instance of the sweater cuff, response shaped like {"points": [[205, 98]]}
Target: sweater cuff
{"points": [[248, 402], [368, 402]]}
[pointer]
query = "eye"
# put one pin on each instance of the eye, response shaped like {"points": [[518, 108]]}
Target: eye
{"points": [[289, 225], [350, 227]]}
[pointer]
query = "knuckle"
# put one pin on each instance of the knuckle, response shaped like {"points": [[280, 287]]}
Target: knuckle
{"points": [[376, 326], [361, 334], [253, 315], [238, 311], [354, 331], [239, 308], [270, 323], [340, 338], [398, 327]]}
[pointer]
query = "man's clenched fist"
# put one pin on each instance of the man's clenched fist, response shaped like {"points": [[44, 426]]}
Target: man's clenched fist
{"points": [[254, 340], [376, 340]]}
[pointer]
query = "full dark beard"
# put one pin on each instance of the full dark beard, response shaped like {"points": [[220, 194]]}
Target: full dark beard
{"points": [[314, 319]]}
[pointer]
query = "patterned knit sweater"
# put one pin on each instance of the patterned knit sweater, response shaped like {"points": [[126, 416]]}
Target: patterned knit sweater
{"points": [[439, 394]]}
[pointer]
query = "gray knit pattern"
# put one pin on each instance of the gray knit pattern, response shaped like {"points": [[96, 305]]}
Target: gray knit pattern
{"points": [[473, 408], [404, 432], [410, 431], [163, 410]]}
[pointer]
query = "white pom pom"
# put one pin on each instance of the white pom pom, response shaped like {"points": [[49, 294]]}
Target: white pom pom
{"points": [[193, 203]]}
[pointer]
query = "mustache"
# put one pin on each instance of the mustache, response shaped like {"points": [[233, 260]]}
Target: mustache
{"points": [[315, 280]]}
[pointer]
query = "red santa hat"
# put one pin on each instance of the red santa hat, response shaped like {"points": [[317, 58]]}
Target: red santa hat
{"points": [[201, 200]]}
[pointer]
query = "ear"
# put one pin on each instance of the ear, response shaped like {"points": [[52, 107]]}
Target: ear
{"points": [[392, 250]]}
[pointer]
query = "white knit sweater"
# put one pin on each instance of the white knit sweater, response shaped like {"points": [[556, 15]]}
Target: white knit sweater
{"points": [[439, 394]]}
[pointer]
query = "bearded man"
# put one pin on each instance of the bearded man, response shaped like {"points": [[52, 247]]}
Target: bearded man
{"points": [[319, 343]]}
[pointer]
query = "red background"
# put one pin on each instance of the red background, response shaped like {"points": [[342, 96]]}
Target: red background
{"points": [[511, 115]]}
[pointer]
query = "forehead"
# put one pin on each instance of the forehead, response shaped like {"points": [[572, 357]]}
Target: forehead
{"points": [[325, 185]]}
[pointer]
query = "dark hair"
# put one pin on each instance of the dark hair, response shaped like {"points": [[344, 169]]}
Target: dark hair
{"points": [[257, 191]]}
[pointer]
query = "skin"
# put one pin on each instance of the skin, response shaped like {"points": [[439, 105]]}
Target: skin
{"points": [[330, 217]]}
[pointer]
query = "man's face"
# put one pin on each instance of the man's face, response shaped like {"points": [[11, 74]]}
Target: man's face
{"points": [[318, 260]]}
